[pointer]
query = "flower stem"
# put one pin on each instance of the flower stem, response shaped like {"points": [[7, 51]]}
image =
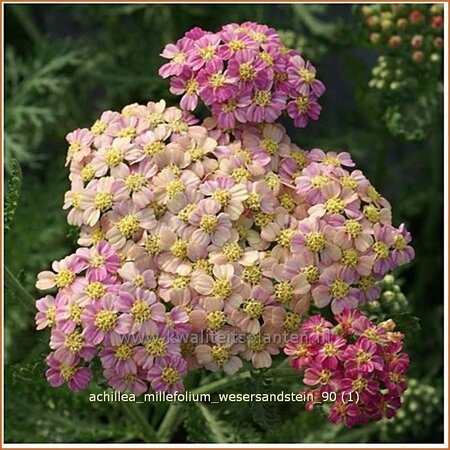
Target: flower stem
{"points": [[12, 283], [147, 431]]}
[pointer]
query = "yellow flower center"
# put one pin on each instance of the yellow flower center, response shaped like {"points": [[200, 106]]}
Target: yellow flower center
{"points": [[311, 273], [329, 349], [50, 316], [179, 58], [113, 157], [156, 346], [252, 274], [96, 261], [306, 75], [191, 86], [222, 288], [220, 353], [181, 282], [123, 351], [95, 290], [272, 180], [365, 283], [169, 375], [331, 161], [64, 278], [373, 194], [302, 103], [229, 106], [362, 356], [359, 384], [262, 219], [196, 153], [335, 205], [353, 228], [207, 53], [253, 308], [135, 182], [203, 264], [215, 320], [292, 321], [209, 223], [177, 126], [74, 147], [97, 236], [325, 376], [138, 281], [179, 248], [270, 146], [87, 173], [217, 80], [140, 311], [258, 36], [75, 313], [262, 98], [287, 202], [128, 225], [315, 241], [222, 196], [256, 342], [74, 342], [154, 118], [247, 72], [67, 372], [174, 187], [154, 147], [187, 349], [233, 251], [371, 213], [128, 132], [285, 237], [153, 245], [236, 45], [284, 292], [106, 320], [350, 258], [240, 174], [339, 289], [299, 158], [318, 181], [349, 181], [253, 201], [103, 201], [267, 58], [186, 212], [99, 127], [400, 242], [381, 249]]}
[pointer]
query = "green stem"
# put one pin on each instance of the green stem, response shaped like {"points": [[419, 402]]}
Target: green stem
{"points": [[12, 283], [147, 431]]}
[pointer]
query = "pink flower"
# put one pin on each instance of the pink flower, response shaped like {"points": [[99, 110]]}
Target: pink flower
{"points": [[120, 358], [266, 106], [156, 349], [384, 239], [335, 286], [185, 84], [177, 55], [142, 311], [303, 76], [63, 275], [133, 382], [102, 322], [79, 141], [402, 253], [362, 357], [68, 345], [68, 371], [99, 260], [303, 108], [215, 84], [167, 375], [346, 413], [46, 315]]}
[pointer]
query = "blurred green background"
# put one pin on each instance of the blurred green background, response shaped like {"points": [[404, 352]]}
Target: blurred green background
{"points": [[65, 64]]}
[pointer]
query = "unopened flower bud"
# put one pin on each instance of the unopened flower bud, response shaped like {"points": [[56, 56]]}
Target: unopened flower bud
{"points": [[435, 57], [389, 325], [386, 24], [394, 85], [366, 10], [373, 21], [395, 41], [438, 42], [389, 279], [418, 56], [402, 23], [374, 38], [386, 15], [415, 16], [417, 41], [437, 21], [436, 9]]}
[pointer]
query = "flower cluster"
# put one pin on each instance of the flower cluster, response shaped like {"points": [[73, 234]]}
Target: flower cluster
{"points": [[244, 73], [360, 362], [202, 245]]}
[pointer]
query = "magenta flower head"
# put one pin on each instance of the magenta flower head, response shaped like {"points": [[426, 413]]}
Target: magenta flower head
{"points": [[167, 375], [244, 74], [355, 358], [67, 371]]}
